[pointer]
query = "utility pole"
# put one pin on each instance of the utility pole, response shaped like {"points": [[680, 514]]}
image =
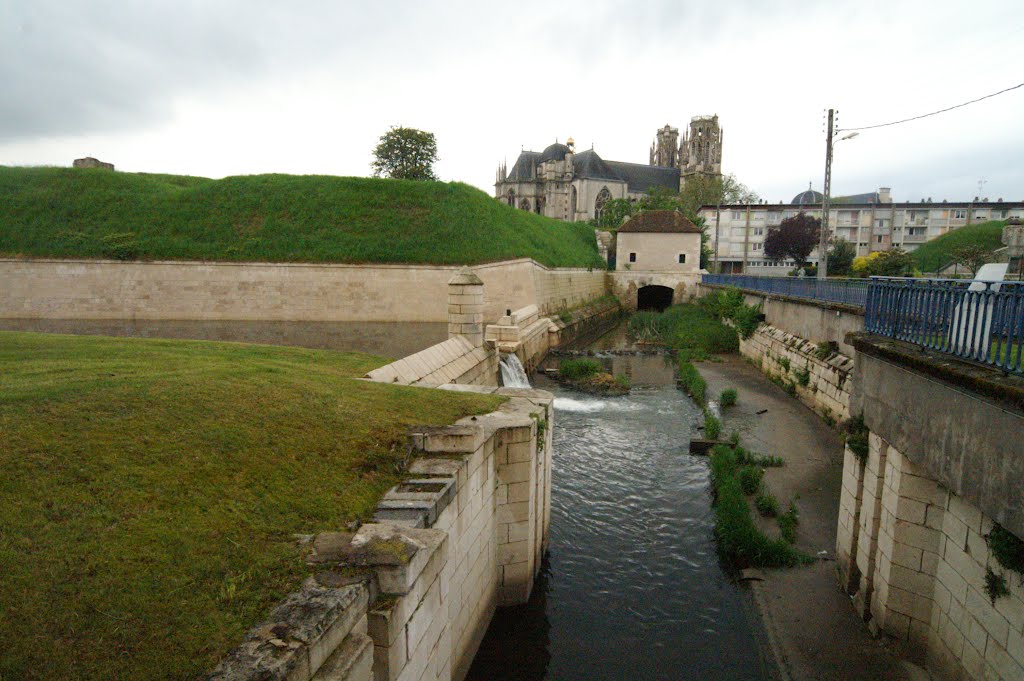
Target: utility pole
{"points": [[823, 242]]}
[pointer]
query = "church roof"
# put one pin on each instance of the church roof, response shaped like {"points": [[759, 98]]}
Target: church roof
{"points": [[524, 168], [555, 152], [663, 221], [640, 178], [588, 164]]}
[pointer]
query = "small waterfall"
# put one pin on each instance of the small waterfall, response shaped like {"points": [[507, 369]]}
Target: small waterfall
{"points": [[513, 375]]}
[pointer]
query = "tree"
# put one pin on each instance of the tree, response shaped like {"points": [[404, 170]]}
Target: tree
{"points": [[794, 238], [840, 258], [702, 190], [972, 256], [892, 263], [613, 214], [405, 154]]}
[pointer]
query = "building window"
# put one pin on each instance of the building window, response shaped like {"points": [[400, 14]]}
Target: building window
{"points": [[632, 257], [960, 214], [603, 197], [682, 258], [524, 204], [572, 203], [758, 231], [511, 198], [736, 215], [539, 206], [756, 247], [878, 239]]}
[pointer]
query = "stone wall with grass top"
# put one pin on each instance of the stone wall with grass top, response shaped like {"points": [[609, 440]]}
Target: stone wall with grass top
{"points": [[409, 595], [817, 375]]}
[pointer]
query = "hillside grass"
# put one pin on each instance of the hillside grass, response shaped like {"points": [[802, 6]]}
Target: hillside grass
{"points": [[151, 491], [938, 253], [93, 213]]}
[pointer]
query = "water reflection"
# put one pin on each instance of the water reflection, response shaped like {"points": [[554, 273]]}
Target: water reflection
{"points": [[634, 589], [377, 338]]}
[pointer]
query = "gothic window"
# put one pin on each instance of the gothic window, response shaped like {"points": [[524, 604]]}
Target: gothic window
{"points": [[603, 197], [572, 203], [510, 198], [539, 206], [524, 204]]}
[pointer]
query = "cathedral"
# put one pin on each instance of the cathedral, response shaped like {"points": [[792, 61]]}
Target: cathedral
{"points": [[563, 184]]}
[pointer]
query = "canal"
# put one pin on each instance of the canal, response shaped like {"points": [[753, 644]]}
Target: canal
{"points": [[632, 587]]}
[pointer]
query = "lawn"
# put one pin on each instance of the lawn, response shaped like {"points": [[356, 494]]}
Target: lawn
{"points": [[93, 213], [936, 254], [152, 489]]}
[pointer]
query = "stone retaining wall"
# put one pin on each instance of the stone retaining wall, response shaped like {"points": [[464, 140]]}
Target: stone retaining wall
{"points": [[914, 557], [827, 376], [409, 596], [107, 289]]}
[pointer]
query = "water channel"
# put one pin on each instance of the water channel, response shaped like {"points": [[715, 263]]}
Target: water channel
{"points": [[632, 587]]}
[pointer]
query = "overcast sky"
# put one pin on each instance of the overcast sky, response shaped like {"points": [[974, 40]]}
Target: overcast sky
{"points": [[216, 88]]}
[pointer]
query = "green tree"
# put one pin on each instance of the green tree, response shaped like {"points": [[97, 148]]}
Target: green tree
{"points": [[405, 154], [892, 263], [840, 258], [972, 256], [613, 214], [702, 190], [794, 238]]}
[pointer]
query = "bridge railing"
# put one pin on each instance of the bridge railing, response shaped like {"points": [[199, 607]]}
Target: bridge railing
{"points": [[847, 291], [981, 321]]}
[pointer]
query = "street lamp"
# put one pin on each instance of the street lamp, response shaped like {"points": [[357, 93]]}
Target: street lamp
{"points": [[823, 240]]}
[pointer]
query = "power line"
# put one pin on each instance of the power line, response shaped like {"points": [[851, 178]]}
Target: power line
{"points": [[933, 113]]}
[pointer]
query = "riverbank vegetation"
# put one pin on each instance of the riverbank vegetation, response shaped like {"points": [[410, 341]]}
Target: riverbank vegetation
{"points": [[152, 491], [94, 213], [589, 376], [740, 542]]}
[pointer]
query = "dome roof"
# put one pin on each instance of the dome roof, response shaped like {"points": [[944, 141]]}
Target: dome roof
{"points": [[807, 198], [556, 152]]}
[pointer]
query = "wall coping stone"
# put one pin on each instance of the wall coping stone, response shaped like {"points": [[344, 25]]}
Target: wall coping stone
{"points": [[1006, 390]]}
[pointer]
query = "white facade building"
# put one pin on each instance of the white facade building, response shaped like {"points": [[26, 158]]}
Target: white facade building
{"points": [[872, 222]]}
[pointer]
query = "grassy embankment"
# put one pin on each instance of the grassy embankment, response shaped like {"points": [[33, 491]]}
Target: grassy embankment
{"points": [[151, 491], [938, 253], [696, 332], [64, 212]]}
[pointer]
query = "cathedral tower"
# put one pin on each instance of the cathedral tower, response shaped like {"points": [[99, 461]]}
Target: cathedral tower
{"points": [[665, 149], [701, 150]]}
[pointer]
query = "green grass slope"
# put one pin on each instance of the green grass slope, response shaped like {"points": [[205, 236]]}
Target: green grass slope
{"points": [[936, 254], [65, 212], [151, 491]]}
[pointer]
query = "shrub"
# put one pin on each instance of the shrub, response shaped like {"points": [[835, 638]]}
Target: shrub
{"points": [[1007, 549], [579, 369], [728, 397], [712, 426], [622, 380], [693, 383], [747, 319], [857, 437], [767, 505], [690, 329], [750, 479]]}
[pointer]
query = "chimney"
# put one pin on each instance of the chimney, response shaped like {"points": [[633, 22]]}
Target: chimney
{"points": [[884, 195]]}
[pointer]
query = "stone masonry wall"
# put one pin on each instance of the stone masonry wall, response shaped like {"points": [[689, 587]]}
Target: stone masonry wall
{"points": [[101, 289], [827, 391], [409, 596], [914, 557]]}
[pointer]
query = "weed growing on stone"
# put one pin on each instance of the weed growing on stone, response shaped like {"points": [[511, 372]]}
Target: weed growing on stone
{"points": [[857, 437], [766, 504], [728, 397], [787, 524], [995, 585], [784, 363], [750, 479], [740, 542], [712, 426], [734, 438], [1006, 548], [803, 376], [579, 369]]}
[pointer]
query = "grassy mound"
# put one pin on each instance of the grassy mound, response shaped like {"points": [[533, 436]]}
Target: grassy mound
{"points": [[91, 213], [151, 490], [936, 254]]}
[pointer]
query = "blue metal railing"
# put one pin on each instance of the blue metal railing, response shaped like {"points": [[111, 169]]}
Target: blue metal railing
{"points": [[974, 320], [848, 291]]}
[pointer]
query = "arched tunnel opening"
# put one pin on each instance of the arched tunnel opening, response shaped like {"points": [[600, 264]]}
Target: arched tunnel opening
{"points": [[653, 298]]}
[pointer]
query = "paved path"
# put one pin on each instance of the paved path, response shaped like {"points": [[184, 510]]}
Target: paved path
{"points": [[811, 625]]}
